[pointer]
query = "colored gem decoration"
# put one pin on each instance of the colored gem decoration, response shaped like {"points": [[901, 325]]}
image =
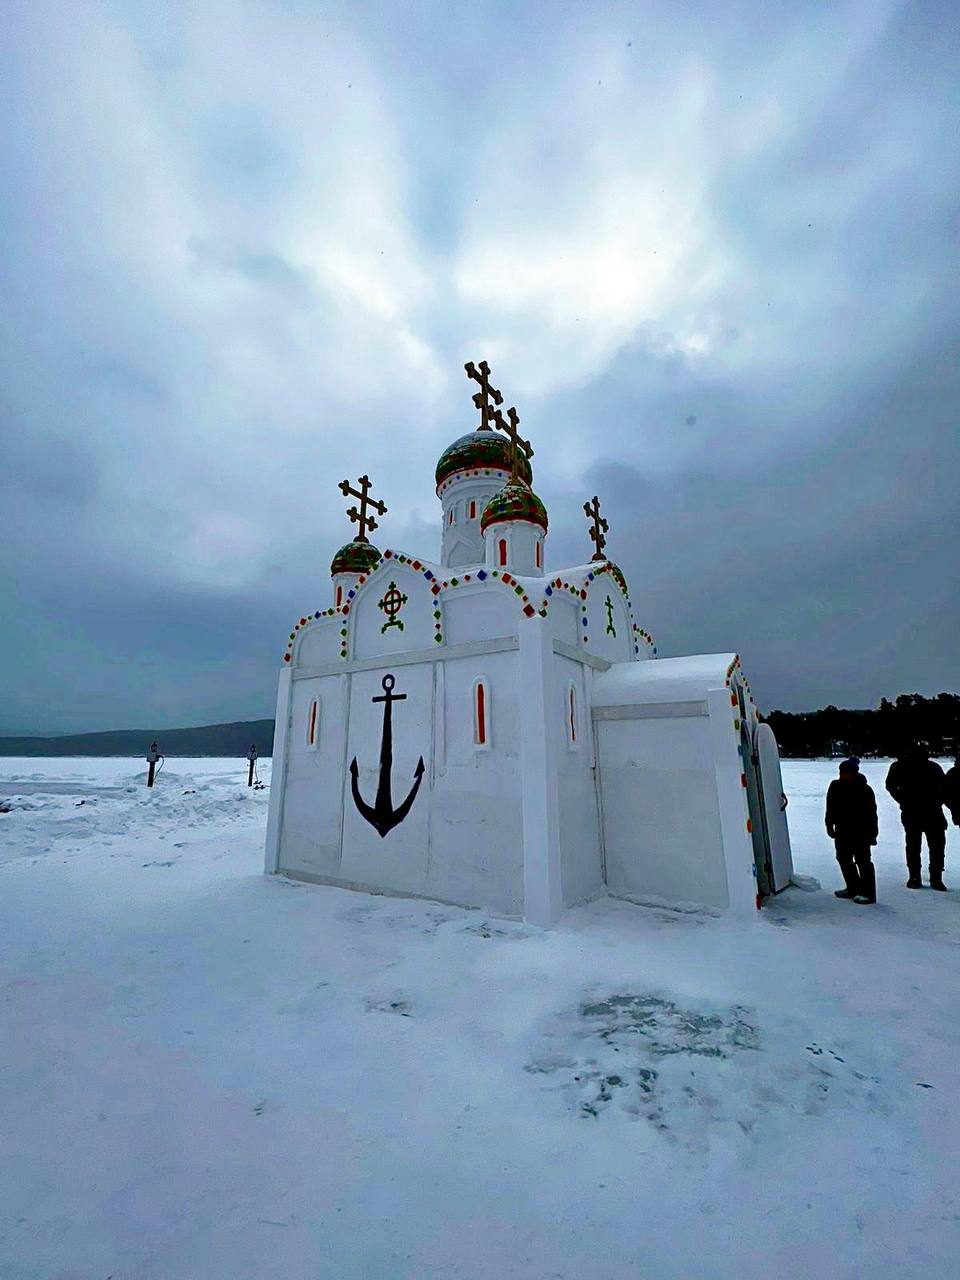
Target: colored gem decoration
{"points": [[538, 607], [480, 452], [303, 623], [392, 602], [355, 557], [515, 501]]}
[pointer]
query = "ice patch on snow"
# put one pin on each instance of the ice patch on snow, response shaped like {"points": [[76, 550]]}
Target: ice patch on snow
{"points": [[693, 1072]]}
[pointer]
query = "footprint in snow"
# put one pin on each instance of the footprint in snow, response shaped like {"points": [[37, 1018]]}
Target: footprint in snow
{"points": [[818, 1052], [396, 1005]]}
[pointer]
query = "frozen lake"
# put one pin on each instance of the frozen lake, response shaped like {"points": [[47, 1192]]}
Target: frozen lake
{"points": [[208, 1073]]}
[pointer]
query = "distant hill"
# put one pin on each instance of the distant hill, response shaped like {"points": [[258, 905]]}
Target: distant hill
{"points": [[204, 740], [831, 731]]}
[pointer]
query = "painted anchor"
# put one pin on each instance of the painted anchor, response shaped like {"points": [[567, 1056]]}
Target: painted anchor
{"points": [[381, 814]]}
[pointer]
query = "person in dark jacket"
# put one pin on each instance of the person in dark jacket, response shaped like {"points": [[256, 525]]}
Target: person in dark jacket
{"points": [[918, 785], [852, 825], [951, 787]]}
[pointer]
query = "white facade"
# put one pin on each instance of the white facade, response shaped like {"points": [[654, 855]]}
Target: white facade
{"points": [[560, 757]]}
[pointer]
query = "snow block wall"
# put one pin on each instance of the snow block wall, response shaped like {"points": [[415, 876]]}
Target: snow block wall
{"points": [[676, 820], [447, 663], [461, 840]]}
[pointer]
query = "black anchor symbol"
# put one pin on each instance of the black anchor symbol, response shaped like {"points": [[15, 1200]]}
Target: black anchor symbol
{"points": [[381, 814]]}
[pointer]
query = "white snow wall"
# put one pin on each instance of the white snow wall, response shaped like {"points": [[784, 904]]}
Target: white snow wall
{"points": [[571, 724], [461, 841], [673, 807]]}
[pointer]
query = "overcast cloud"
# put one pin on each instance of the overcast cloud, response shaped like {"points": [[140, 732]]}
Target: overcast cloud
{"points": [[710, 251]]}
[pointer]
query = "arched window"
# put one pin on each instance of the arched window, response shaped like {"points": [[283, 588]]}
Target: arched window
{"points": [[450, 516], [481, 713], [571, 712], [538, 555], [339, 594], [313, 723], [473, 509], [502, 551]]}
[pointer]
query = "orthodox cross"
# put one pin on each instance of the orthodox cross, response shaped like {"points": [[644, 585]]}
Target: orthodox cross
{"points": [[600, 527], [518, 446], [611, 629], [391, 604], [363, 493], [481, 373]]}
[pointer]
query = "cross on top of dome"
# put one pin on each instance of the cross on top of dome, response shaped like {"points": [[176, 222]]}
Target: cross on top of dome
{"points": [[519, 448], [599, 527], [481, 373], [360, 517]]}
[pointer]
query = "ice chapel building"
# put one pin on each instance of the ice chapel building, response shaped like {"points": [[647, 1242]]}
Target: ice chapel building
{"points": [[485, 732]]}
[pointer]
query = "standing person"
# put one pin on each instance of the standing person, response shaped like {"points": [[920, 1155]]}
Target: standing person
{"points": [[918, 785], [852, 825], [952, 791]]}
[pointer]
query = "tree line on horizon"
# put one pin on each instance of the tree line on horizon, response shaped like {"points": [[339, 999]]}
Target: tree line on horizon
{"points": [[884, 731], [831, 731]]}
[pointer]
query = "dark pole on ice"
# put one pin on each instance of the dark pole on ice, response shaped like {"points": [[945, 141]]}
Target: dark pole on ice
{"points": [[153, 755], [252, 757]]}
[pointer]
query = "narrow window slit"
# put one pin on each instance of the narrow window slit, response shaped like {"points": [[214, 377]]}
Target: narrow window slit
{"points": [[481, 713]]}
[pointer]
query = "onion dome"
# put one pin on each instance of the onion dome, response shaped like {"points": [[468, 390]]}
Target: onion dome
{"points": [[478, 449], [355, 557], [515, 501]]}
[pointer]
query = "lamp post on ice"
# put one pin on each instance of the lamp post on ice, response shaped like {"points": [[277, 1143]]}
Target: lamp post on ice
{"points": [[153, 755], [252, 757]]}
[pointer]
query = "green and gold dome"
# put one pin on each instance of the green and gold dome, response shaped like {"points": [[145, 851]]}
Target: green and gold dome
{"points": [[355, 557], [478, 450], [515, 501]]}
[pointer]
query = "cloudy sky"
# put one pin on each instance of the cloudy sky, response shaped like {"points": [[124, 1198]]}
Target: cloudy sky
{"points": [[709, 249]]}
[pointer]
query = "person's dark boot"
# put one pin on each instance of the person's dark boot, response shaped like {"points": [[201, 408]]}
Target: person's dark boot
{"points": [[868, 885], [914, 883], [851, 877], [936, 882]]}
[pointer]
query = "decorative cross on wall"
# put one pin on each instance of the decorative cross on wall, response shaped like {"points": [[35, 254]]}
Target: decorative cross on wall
{"points": [[481, 373], [518, 446], [363, 493], [611, 629], [600, 527], [392, 602]]}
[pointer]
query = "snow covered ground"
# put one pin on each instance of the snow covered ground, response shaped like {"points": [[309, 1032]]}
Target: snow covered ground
{"points": [[211, 1075]]}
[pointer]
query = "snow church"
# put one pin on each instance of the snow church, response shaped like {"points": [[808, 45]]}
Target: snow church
{"points": [[486, 733]]}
